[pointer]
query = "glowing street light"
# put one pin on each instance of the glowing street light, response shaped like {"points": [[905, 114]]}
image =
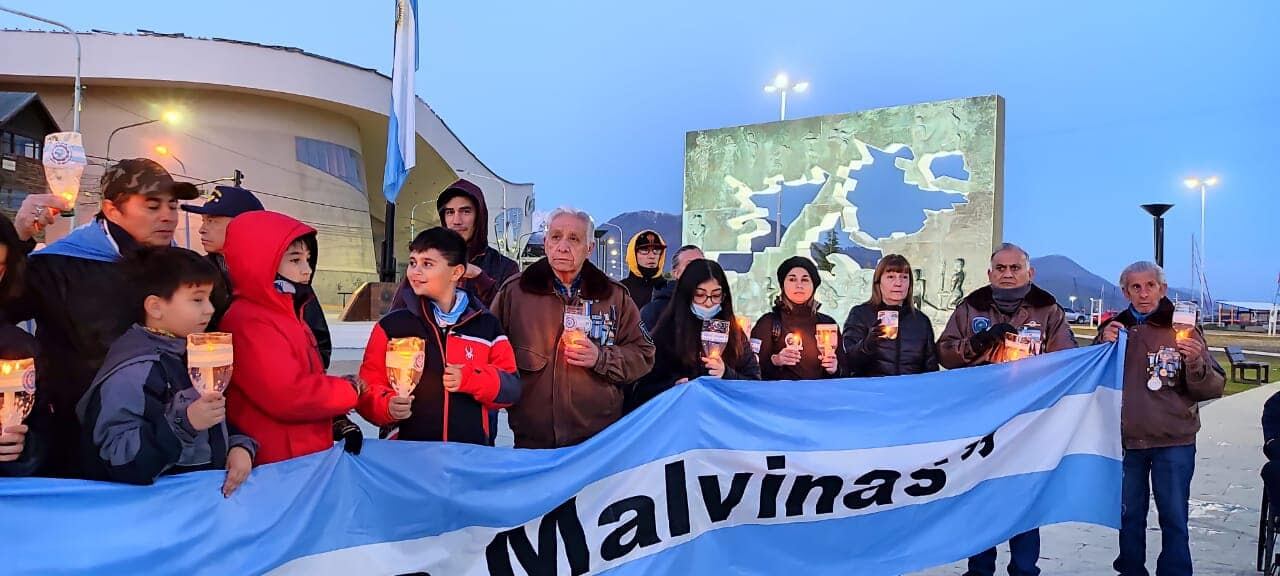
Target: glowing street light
{"points": [[782, 85], [170, 117], [164, 151], [1203, 184]]}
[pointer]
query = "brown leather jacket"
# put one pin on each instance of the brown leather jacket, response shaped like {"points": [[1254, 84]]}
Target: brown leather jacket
{"points": [[978, 311], [1169, 416], [564, 405]]}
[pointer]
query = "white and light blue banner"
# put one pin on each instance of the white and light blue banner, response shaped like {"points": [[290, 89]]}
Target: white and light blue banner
{"points": [[867, 476]]}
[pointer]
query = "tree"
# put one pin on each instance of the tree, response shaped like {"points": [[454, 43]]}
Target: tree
{"points": [[829, 246]]}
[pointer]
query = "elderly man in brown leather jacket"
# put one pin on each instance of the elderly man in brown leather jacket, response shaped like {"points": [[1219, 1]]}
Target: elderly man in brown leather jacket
{"points": [[975, 335], [1166, 375], [573, 379]]}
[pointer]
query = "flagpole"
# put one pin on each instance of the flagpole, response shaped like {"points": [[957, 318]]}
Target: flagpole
{"points": [[401, 127], [388, 272]]}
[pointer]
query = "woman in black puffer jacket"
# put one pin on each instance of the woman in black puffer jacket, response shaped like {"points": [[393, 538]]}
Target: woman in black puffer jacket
{"points": [[795, 317], [868, 350]]}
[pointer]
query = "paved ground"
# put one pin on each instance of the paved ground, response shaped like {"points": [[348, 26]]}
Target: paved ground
{"points": [[1225, 492]]}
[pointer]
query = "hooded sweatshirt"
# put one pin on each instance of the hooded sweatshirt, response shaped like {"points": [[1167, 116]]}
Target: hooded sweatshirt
{"points": [[279, 393], [495, 268], [135, 415], [641, 283], [489, 378]]}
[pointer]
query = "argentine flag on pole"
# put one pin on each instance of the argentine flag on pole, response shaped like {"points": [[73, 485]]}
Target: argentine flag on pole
{"points": [[402, 133]]}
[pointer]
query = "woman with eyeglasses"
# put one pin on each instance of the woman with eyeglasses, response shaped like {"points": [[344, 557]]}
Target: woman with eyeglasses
{"points": [[888, 336], [788, 335], [702, 295]]}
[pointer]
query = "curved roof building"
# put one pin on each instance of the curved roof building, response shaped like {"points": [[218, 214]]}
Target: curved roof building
{"points": [[308, 132]]}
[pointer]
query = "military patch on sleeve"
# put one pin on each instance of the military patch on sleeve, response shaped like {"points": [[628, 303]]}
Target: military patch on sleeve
{"points": [[980, 324]]}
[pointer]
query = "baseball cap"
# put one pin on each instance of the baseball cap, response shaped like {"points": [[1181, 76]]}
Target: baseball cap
{"points": [[142, 176], [229, 201], [649, 239]]}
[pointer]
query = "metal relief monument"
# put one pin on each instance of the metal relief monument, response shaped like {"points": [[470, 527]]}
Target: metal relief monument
{"points": [[922, 180]]}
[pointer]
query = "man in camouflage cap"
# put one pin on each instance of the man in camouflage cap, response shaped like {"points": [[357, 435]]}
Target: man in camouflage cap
{"points": [[77, 291]]}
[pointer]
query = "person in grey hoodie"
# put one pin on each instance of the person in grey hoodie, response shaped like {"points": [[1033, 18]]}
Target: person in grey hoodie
{"points": [[142, 417]]}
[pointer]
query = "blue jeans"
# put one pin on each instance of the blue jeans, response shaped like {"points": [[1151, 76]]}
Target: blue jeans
{"points": [[1025, 549], [1167, 472]]}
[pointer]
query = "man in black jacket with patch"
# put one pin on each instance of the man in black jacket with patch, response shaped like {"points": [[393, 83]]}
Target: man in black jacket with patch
{"points": [[75, 287]]}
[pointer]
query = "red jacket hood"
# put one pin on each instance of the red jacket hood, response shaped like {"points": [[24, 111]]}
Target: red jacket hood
{"points": [[480, 238], [256, 243]]}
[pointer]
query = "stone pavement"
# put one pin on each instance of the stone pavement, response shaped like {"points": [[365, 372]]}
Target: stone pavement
{"points": [[1226, 491]]}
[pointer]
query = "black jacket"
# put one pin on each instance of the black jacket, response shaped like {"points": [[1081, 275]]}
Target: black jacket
{"points": [[222, 290], [642, 289], [77, 297], [650, 313], [913, 352], [313, 315], [15, 344], [668, 369], [772, 329], [1271, 427]]}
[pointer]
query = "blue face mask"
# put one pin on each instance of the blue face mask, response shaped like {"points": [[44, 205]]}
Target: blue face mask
{"points": [[703, 312]]}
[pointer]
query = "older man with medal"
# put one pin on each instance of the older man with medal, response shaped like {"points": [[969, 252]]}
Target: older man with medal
{"points": [[1168, 371]]}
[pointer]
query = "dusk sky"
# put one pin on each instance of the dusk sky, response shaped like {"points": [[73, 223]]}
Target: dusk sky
{"points": [[1109, 104]]}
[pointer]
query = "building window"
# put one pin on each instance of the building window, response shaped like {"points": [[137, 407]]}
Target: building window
{"points": [[18, 145], [338, 161], [11, 200]]}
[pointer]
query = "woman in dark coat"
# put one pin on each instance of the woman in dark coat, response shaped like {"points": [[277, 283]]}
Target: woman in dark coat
{"points": [[872, 349], [795, 318], [701, 295]]}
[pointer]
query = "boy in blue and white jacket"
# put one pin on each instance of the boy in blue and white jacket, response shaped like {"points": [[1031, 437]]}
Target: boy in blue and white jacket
{"points": [[142, 417]]}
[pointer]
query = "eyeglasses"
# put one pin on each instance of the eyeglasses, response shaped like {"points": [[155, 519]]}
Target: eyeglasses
{"points": [[703, 298], [649, 251]]}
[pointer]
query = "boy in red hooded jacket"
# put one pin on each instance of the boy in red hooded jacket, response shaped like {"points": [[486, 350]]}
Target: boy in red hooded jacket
{"points": [[279, 393]]}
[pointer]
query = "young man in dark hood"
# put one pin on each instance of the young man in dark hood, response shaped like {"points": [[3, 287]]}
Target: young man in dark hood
{"points": [[646, 255], [463, 210]]}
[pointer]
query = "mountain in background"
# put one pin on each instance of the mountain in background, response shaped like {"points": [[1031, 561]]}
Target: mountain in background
{"points": [[1059, 275]]}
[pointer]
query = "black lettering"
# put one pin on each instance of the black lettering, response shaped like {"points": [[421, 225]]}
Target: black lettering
{"points": [[677, 499], [879, 489], [719, 508], [770, 486], [644, 526], [542, 561], [983, 446], [937, 479], [804, 485]]}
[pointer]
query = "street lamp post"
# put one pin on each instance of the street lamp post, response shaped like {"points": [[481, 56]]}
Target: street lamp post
{"points": [[621, 239], [75, 113], [165, 151], [170, 117], [782, 85], [1203, 184], [1157, 212]]}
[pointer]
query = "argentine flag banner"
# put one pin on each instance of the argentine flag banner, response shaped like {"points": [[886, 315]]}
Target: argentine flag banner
{"points": [[402, 131], [857, 476]]}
